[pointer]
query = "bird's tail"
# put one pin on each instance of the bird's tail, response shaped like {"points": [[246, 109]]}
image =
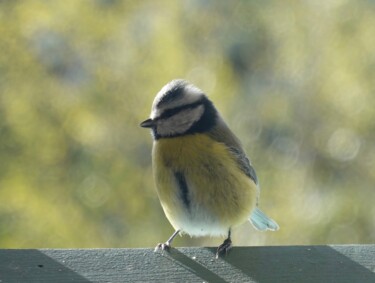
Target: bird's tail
{"points": [[262, 222]]}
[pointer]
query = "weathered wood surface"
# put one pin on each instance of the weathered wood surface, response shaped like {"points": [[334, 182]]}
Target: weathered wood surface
{"points": [[348, 263]]}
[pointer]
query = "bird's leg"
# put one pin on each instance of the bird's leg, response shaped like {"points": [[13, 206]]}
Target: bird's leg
{"points": [[225, 246], [167, 244]]}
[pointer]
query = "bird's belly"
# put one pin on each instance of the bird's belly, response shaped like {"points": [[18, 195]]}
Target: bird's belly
{"points": [[208, 213], [215, 194], [198, 220]]}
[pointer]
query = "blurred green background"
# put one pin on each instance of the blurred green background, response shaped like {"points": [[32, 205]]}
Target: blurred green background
{"points": [[295, 80]]}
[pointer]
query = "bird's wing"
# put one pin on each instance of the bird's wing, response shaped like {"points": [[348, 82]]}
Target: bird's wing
{"points": [[222, 133]]}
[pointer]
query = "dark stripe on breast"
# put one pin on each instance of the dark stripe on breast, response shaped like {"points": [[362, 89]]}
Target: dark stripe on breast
{"points": [[184, 190]]}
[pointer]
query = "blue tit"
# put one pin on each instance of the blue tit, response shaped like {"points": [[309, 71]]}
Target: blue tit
{"points": [[205, 182]]}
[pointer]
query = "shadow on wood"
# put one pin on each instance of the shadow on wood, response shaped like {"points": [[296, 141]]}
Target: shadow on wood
{"points": [[283, 264], [34, 266], [298, 264], [194, 267]]}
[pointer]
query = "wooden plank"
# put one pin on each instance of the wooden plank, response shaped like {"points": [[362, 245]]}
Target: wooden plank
{"points": [[348, 263]]}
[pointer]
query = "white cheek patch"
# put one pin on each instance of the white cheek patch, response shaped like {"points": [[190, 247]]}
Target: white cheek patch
{"points": [[180, 122]]}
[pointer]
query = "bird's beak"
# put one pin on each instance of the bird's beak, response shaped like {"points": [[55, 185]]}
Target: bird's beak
{"points": [[149, 123]]}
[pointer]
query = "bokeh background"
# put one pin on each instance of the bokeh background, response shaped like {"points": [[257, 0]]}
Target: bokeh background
{"points": [[294, 79]]}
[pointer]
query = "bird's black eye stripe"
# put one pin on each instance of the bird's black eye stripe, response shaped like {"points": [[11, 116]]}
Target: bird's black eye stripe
{"points": [[170, 112]]}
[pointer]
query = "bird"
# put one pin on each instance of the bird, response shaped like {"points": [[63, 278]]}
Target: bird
{"points": [[205, 182]]}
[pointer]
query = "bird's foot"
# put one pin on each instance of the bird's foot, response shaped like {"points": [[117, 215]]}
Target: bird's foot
{"points": [[224, 247], [162, 246], [167, 245]]}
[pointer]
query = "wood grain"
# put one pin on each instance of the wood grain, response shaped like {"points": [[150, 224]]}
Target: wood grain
{"points": [[336, 263]]}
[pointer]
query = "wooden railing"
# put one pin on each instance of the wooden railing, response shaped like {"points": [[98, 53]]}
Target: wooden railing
{"points": [[334, 263]]}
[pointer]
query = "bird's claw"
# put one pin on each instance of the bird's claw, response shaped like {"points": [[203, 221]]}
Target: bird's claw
{"points": [[224, 248], [162, 246]]}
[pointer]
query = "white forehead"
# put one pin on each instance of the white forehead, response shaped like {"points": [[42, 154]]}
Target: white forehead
{"points": [[175, 94]]}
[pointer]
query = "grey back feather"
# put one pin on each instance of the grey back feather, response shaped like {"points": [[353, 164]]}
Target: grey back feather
{"points": [[223, 134]]}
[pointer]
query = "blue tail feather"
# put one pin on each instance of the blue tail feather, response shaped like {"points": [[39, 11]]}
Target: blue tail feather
{"points": [[262, 222]]}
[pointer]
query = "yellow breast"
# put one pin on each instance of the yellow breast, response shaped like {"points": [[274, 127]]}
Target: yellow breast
{"points": [[220, 194]]}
